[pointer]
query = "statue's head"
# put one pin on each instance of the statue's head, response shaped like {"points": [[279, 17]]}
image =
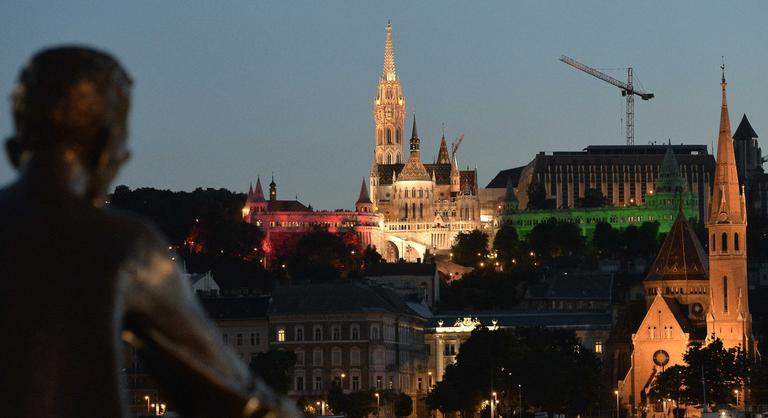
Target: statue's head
{"points": [[72, 103]]}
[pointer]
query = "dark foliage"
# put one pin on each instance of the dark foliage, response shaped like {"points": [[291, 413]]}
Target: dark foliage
{"points": [[272, 366], [323, 257], [470, 248], [593, 198]]}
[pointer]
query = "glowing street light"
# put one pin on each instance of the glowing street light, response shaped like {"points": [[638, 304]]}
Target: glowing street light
{"points": [[616, 392], [377, 403], [146, 398]]}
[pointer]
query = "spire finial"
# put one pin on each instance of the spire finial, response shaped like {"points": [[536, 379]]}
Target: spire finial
{"points": [[722, 69], [389, 73]]}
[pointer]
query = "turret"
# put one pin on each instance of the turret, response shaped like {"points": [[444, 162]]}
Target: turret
{"points": [[363, 203], [272, 189]]}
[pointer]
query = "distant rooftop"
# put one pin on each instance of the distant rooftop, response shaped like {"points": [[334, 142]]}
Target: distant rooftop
{"points": [[638, 149], [224, 308]]}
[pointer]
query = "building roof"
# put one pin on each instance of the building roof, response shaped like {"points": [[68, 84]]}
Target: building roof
{"points": [[744, 132], [363, 198], [401, 269], [468, 182], [258, 192], [681, 256], [500, 181], [670, 179], [233, 308], [286, 206], [340, 298], [442, 175], [442, 153]]}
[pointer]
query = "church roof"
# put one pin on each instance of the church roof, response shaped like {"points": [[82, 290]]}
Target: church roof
{"points": [[670, 179], [413, 170], [468, 181], [286, 206], [726, 204], [363, 198], [258, 192], [744, 132], [681, 256], [442, 175], [442, 153]]}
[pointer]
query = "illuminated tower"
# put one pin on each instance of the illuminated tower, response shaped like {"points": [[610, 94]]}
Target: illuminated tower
{"points": [[729, 318], [389, 110]]}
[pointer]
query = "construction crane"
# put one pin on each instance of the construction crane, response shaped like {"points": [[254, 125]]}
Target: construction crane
{"points": [[455, 146], [626, 90]]}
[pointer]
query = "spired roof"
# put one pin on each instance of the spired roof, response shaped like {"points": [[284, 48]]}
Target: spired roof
{"points": [[725, 205], [442, 154], [669, 179], [389, 73], [258, 192], [414, 169], [363, 198], [681, 256], [744, 132]]}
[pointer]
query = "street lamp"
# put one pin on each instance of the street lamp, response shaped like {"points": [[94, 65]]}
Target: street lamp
{"points": [[321, 404], [146, 398], [493, 402], [520, 398], [736, 391], [377, 404], [429, 386], [616, 392]]}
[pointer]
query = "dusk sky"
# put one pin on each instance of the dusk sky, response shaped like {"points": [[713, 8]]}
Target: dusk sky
{"points": [[228, 90]]}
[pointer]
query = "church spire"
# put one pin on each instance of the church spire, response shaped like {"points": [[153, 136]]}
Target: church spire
{"points": [[258, 192], [726, 202], [389, 73], [415, 141]]}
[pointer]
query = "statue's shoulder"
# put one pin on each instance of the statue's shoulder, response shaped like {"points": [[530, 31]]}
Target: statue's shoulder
{"points": [[131, 227]]}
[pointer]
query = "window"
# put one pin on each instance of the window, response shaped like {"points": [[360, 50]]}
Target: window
{"points": [[317, 357], [355, 332], [280, 335], [375, 332], [354, 356], [299, 357], [390, 383], [239, 339], [318, 331], [378, 382], [598, 347], [389, 158], [258, 338], [668, 332], [398, 135], [225, 339], [713, 243], [299, 386], [253, 339], [318, 383], [725, 294], [389, 136], [449, 349], [724, 245], [378, 356], [418, 384], [336, 356], [736, 242], [299, 334], [336, 333], [355, 382]]}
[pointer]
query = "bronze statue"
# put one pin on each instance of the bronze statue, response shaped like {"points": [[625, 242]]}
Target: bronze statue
{"points": [[77, 278]]}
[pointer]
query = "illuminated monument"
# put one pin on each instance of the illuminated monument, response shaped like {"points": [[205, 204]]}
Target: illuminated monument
{"points": [[691, 295], [423, 205]]}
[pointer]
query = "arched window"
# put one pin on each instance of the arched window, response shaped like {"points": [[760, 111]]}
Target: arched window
{"points": [[724, 244], [725, 293], [378, 137], [421, 211], [389, 136], [399, 158], [413, 209], [714, 247], [389, 158], [736, 242], [398, 136]]}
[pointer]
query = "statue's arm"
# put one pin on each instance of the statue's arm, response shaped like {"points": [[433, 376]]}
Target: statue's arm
{"points": [[182, 347]]}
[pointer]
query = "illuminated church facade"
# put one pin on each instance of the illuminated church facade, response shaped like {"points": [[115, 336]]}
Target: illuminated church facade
{"points": [[692, 294]]}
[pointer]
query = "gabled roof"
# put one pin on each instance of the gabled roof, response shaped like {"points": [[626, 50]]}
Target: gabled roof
{"points": [[286, 206], [670, 179], [744, 132], [500, 181], [681, 256], [442, 153], [659, 303], [258, 192], [232, 308]]}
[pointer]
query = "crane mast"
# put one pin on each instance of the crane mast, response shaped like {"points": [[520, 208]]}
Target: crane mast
{"points": [[627, 90]]}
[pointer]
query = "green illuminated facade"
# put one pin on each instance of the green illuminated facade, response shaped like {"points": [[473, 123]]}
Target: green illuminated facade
{"points": [[661, 205]]}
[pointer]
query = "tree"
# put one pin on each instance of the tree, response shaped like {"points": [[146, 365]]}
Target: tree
{"points": [[670, 384], [323, 257], [272, 366], [403, 405], [470, 248], [605, 239], [537, 197], [506, 243], [553, 239], [593, 198]]}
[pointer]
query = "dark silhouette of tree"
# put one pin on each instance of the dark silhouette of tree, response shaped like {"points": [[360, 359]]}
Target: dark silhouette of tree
{"points": [[553, 239], [593, 198], [403, 405], [537, 197], [506, 244], [272, 366], [484, 289], [323, 257], [670, 384], [605, 239], [468, 245]]}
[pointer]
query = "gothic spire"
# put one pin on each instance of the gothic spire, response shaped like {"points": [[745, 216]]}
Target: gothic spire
{"points": [[670, 179], [442, 154], [415, 141], [725, 205], [389, 73], [363, 198], [258, 192]]}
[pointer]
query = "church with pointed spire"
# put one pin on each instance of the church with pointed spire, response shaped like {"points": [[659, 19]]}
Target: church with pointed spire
{"points": [[424, 205], [692, 294]]}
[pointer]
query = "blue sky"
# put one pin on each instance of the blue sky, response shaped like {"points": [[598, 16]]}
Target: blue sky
{"points": [[226, 91]]}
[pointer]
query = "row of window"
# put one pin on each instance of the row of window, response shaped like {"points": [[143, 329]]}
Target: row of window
{"points": [[255, 339], [318, 333], [724, 243], [336, 356]]}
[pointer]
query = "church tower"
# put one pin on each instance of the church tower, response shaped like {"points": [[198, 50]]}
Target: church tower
{"points": [[389, 110], [729, 318]]}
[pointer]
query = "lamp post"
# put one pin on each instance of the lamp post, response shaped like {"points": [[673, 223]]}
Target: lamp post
{"points": [[342, 381], [616, 392], [493, 402], [520, 399], [146, 398], [429, 381], [321, 404], [377, 404], [736, 392]]}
